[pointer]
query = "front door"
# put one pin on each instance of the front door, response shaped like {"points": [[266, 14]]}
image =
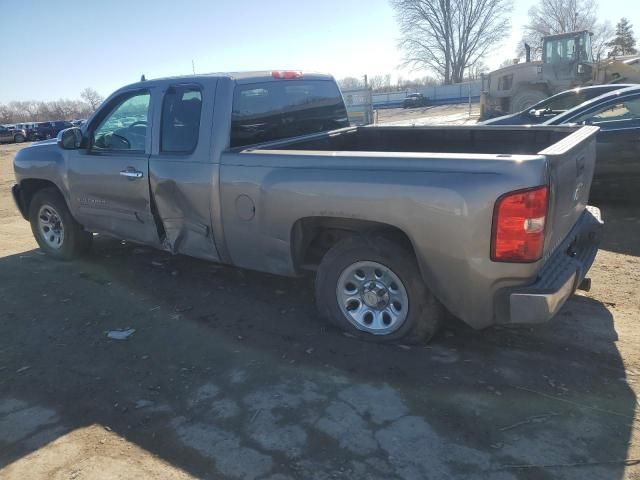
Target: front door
{"points": [[109, 181]]}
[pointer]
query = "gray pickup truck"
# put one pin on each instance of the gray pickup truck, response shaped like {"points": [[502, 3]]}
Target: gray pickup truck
{"points": [[262, 171]]}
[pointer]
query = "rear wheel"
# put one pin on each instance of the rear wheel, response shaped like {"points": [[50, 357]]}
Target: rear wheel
{"points": [[53, 227], [18, 138], [525, 99], [371, 287]]}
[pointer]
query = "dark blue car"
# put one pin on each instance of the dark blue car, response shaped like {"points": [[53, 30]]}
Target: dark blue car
{"points": [[555, 105], [617, 173], [46, 130]]}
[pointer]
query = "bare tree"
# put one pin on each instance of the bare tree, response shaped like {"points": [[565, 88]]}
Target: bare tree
{"points": [[449, 36], [600, 41], [93, 98], [350, 83], [552, 17], [476, 70], [34, 111], [380, 82]]}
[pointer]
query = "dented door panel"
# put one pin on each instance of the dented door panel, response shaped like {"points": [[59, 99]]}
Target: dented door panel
{"points": [[182, 197], [182, 182]]}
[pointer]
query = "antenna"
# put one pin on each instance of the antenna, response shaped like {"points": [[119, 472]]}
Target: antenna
{"points": [[193, 66], [142, 79]]}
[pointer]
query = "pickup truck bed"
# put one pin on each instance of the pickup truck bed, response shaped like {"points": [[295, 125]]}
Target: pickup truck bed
{"points": [[435, 184], [489, 222]]}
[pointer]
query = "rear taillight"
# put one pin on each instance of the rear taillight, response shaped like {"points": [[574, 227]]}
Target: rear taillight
{"points": [[519, 224], [286, 74]]}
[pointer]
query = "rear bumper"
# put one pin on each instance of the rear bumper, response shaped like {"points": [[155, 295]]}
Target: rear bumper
{"points": [[560, 276], [18, 198]]}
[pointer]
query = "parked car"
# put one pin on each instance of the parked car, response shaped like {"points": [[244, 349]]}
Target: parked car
{"points": [[414, 100], [12, 135], [29, 129], [554, 105], [262, 171], [617, 114], [47, 130], [78, 122]]}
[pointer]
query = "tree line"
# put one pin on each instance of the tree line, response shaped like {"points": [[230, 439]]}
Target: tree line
{"points": [[385, 83], [40, 111]]}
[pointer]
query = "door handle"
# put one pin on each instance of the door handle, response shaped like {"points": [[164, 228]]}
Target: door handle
{"points": [[131, 173]]}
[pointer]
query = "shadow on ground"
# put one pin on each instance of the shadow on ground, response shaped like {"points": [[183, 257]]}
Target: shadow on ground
{"points": [[231, 374], [622, 227]]}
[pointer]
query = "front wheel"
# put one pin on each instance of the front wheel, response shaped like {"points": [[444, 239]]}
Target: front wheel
{"points": [[55, 230], [525, 99], [371, 287], [19, 138]]}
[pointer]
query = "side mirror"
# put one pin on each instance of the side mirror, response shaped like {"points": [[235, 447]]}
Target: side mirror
{"points": [[70, 138]]}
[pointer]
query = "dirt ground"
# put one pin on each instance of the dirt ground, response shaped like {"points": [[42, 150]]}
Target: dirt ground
{"points": [[431, 115], [230, 374]]}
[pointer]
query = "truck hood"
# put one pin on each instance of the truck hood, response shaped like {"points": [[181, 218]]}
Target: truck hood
{"points": [[37, 155]]}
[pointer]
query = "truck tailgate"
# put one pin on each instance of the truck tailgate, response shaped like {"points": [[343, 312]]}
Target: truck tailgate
{"points": [[571, 163]]}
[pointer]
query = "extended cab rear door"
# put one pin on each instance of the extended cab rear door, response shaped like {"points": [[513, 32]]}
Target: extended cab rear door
{"points": [[109, 181], [183, 169]]}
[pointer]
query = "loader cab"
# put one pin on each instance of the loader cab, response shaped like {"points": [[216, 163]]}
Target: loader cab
{"points": [[568, 57]]}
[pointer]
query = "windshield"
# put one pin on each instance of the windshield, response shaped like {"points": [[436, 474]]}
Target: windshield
{"points": [[568, 49]]}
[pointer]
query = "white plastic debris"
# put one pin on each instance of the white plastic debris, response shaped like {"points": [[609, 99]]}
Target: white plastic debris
{"points": [[120, 334]]}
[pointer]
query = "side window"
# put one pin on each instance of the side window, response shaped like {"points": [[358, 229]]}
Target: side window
{"points": [[505, 82], [124, 128], [625, 110], [181, 109]]}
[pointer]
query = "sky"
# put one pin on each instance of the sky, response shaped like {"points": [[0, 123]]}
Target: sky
{"points": [[55, 50]]}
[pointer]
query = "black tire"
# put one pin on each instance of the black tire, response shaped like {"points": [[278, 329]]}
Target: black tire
{"points": [[525, 99], [75, 240], [18, 138], [424, 311]]}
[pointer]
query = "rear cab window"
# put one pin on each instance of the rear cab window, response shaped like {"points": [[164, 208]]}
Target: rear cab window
{"points": [[274, 110]]}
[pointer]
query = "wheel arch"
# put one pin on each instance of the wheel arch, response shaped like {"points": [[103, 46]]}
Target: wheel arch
{"points": [[30, 186], [312, 237]]}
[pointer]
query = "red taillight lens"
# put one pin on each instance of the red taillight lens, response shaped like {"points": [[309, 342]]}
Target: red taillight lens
{"points": [[286, 74], [519, 225]]}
